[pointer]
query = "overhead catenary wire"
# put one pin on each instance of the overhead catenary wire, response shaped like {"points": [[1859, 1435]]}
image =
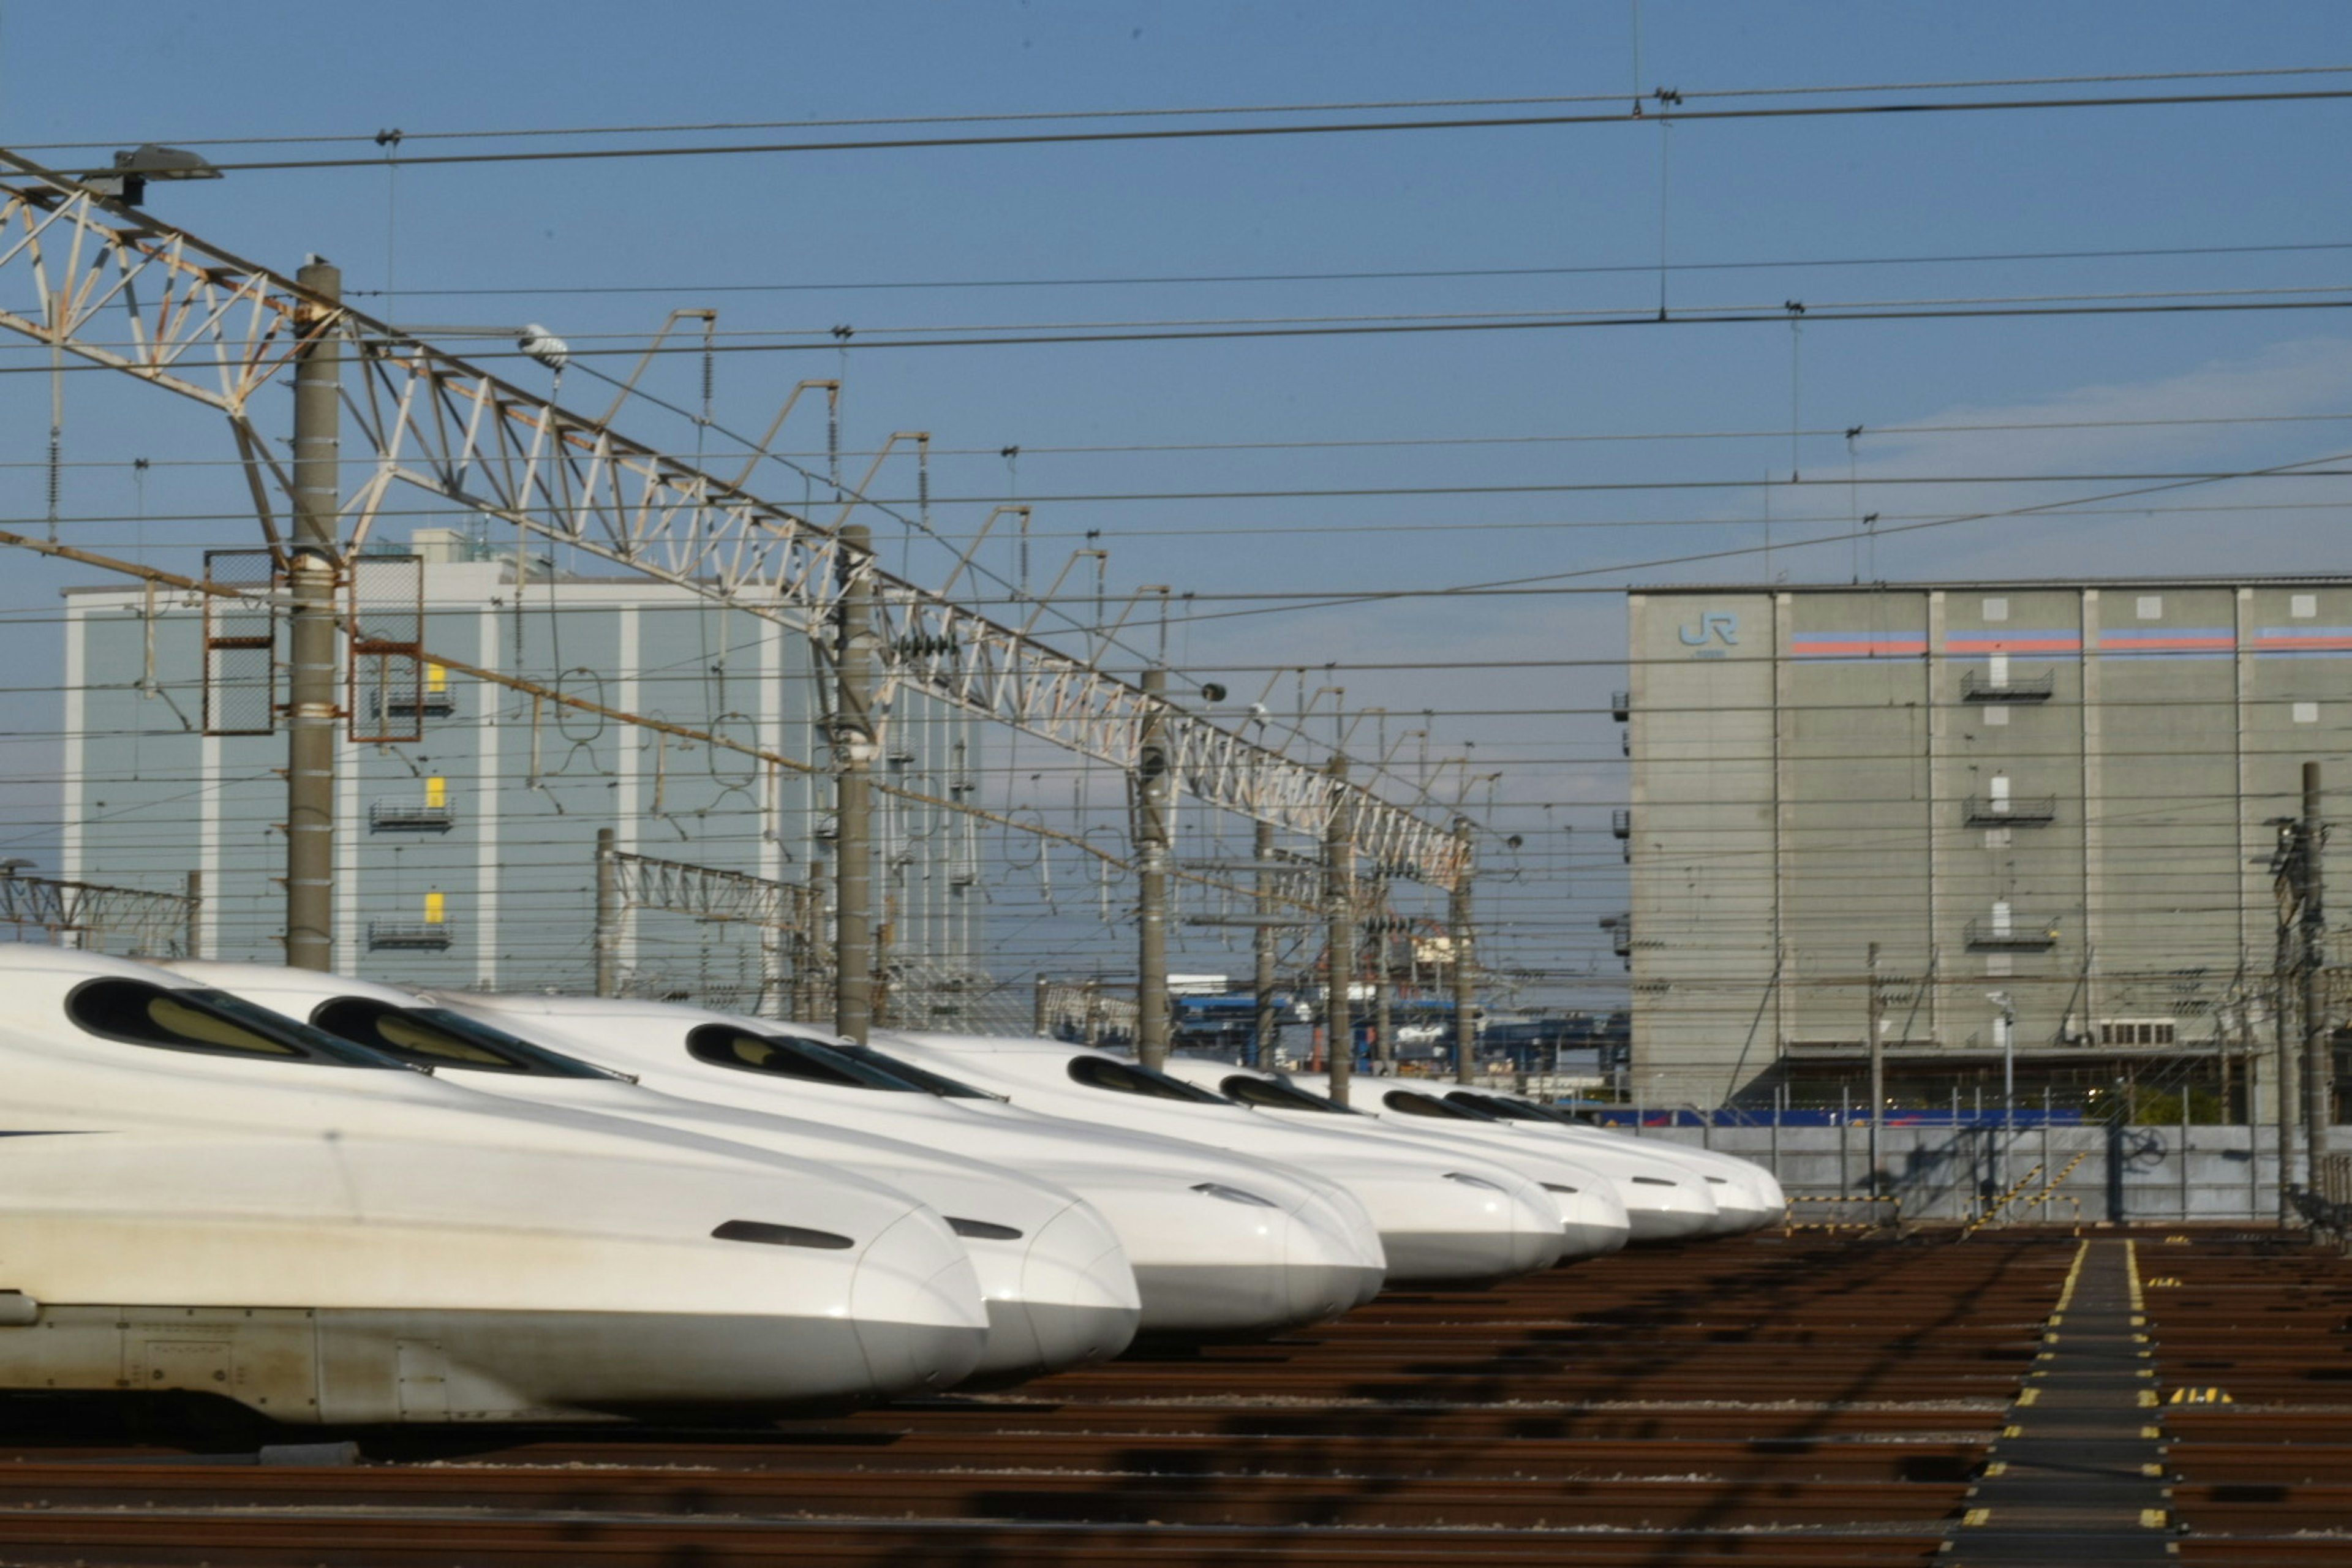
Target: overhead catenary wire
{"points": [[380, 137], [1678, 113], [1409, 275]]}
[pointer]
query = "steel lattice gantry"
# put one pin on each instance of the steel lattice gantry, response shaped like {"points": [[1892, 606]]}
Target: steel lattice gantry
{"points": [[119, 288], [157, 923]]}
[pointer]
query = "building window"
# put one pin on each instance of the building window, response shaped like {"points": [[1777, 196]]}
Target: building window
{"points": [[2151, 606], [2302, 606], [2136, 1032], [2306, 713], [1996, 609]]}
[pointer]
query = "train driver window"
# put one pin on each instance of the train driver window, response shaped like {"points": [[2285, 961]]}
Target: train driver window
{"points": [[1127, 1078], [212, 1023]]}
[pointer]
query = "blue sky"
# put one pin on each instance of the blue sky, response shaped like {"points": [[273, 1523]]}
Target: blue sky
{"points": [[1820, 194]]}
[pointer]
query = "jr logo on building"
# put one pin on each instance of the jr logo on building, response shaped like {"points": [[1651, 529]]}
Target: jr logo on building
{"points": [[1713, 626]]}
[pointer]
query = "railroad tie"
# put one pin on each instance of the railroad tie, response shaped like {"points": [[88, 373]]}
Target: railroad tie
{"points": [[2077, 1477]]}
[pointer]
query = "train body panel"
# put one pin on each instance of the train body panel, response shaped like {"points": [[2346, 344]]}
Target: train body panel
{"points": [[1747, 1191], [1292, 1249], [1667, 1199], [1057, 1284], [194, 1182], [1444, 1217], [1593, 1221]]}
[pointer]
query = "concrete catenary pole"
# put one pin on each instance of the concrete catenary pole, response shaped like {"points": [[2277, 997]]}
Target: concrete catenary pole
{"points": [[854, 749], [311, 710], [1877, 1073], [2318, 1034], [1155, 785], [192, 942], [1339, 932], [608, 913], [808, 945], [2284, 1092], [1465, 958], [1262, 949], [1383, 998]]}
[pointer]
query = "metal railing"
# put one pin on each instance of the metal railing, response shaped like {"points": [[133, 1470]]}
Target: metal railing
{"points": [[2018, 933], [433, 936], [2004, 811], [411, 816], [1880, 1209], [1978, 685]]}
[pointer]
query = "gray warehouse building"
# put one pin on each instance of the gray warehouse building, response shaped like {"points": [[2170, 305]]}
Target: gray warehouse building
{"points": [[2048, 805], [468, 856]]}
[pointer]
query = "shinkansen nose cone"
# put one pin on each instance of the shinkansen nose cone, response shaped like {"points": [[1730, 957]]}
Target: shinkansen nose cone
{"points": [[1221, 1246], [1592, 1219], [1663, 1182], [1444, 1218], [1058, 1286], [357, 1279]]}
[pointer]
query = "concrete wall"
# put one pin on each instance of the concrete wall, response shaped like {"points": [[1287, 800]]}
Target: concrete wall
{"points": [[1815, 770], [2165, 1173]]}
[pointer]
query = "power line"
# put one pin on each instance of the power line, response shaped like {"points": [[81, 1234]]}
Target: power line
{"points": [[383, 138], [1675, 115], [1379, 443], [1643, 269], [838, 340], [1526, 584], [831, 334]]}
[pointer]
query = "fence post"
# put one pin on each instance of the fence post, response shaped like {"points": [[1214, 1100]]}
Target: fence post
{"points": [[1845, 1139]]}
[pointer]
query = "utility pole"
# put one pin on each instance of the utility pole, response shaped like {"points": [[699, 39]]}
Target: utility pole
{"points": [[2318, 1042], [191, 942], [608, 913], [1877, 1073], [1383, 1040], [311, 577], [1340, 939], [1465, 958], [853, 749], [1262, 947], [1155, 783], [808, 942], [2283, 881]]}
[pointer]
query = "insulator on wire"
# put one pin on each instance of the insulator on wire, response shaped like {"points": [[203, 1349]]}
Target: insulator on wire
{"points": [[544, 346]]}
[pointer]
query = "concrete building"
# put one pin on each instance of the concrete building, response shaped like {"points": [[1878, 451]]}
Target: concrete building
{"points": [[466, 859], [2044, 803]]}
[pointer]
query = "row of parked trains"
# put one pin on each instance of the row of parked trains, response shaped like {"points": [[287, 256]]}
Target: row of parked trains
{"points": [[336, 1201]]}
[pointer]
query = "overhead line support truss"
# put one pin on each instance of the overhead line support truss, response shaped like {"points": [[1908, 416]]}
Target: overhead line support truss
{"points": [[419, 417]]}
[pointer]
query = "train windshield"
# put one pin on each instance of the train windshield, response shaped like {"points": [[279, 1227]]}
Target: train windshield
{"points": [[1128, 1078], [1269, 1095], [1405, 1102], [789, 1056], [212, 1023], [436, 1038], [1506, 1109]]}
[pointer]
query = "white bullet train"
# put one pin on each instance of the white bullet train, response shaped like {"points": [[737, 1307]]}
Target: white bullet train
{"points": [[205, 1196], [1665, 1200], [1222, 1245], [1056, 1282], [1445, 1218], [1593, 1219], [1742, 1186]]}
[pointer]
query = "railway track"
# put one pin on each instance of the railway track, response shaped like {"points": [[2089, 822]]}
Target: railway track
{"points": [[1773, 1400]]}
